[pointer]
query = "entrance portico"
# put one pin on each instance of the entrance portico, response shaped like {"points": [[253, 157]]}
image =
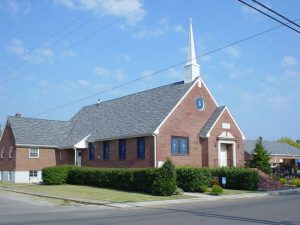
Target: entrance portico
{"points": [[226, 150]]}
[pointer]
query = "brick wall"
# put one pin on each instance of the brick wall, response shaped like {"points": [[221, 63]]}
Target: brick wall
{"points": [[46, 158], [186, 121], [131, 154], [216, 131], [65, 156], [7, 140]]}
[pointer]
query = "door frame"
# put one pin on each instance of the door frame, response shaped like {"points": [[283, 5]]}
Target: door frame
{"points": [[233, 143]]}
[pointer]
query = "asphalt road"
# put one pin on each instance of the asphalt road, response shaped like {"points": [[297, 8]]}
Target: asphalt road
{"points": [[273, 210]]}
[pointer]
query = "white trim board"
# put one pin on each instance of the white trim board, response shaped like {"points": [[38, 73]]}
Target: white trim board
{"points": [[199, 79], [208, 133]]}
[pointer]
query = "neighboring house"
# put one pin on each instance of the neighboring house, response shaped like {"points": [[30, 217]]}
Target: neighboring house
{"points": [[279, 152], [181, 121]]}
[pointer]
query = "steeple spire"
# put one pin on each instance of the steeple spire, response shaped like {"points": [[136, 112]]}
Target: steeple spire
{"points": [[191, 68]]}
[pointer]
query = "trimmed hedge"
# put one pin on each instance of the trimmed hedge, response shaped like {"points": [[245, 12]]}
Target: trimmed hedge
{"points": [[193, 179], [238, 178], [56, 174], [122, 179]]}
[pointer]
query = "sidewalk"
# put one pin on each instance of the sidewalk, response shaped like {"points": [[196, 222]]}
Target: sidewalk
{"points": [[196, 197]]}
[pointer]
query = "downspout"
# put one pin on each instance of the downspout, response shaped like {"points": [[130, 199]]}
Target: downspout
{"points": [[75, 161], [155, 138]]}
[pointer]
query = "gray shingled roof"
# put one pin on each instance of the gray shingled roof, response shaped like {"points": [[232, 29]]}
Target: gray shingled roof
{"points": [[274, 148], [29, 131], [133, 115], [211, 121]]}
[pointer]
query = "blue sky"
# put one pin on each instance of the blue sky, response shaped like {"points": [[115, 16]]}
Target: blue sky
{"points": [[53, 52]]}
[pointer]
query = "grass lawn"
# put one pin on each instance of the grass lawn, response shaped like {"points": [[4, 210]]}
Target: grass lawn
{"points": [[86, 192]]}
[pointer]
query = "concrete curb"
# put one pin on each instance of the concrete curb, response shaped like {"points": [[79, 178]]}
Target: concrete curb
{"points": [[197, 197]]}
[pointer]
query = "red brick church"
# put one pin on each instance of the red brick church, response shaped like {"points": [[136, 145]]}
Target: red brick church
{"points": [[181, 121]]}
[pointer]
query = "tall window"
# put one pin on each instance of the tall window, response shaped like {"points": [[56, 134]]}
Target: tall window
{"points": [[2, 153], [141, 148], [180, 145], [122, 149], [34, 153], [106, 150], [91, 151], [11, 152]]}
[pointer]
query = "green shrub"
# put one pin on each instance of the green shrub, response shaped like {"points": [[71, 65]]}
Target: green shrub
{"points": [[202, 188], [216, 190], [178, 191], [56, 175], [165, 182], [297, 182], [190, 179], [282, 180], [238, 178], [122, 179]]}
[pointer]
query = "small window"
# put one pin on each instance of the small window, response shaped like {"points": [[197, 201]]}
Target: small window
{"points": [[33, 174], [106, 150], [91, 151], [34, 153], [180, 145], [141, 148], [122, 149], [11, 152], [2, 153]]}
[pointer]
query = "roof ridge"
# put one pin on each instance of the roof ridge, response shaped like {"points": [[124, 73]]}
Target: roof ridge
{"points": [[151, 89], [30, 118]]}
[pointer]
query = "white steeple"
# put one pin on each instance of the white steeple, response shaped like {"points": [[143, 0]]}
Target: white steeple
{"points": [[191, 68]]}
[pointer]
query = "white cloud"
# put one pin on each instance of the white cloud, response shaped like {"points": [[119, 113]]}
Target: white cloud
{"points": [[175, 73], [146, 32], [123, 58], [38, 55], [292, 74], [15, 8], [252, 13], [133, 10], [228, 65], [233, 51], [83, 82], [105, 73], [288, 61]]}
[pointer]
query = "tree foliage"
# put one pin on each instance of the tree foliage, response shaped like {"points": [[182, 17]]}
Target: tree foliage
{"points": [[290, 141], [260, 157]]}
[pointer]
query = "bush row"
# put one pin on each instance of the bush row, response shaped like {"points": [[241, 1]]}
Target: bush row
{"points": [[192, 179], [162, 181]]}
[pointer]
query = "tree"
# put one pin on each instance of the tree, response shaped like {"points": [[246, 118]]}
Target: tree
{"points": [[290, 141], [260, 157]]}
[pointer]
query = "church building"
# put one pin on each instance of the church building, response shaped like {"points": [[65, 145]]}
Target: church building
{"points": [[181, 121]]}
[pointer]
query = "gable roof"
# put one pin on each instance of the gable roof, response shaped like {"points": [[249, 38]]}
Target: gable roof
{"points": [[37, 132], [211, 122], [274, 148], [133, 115], [205, 132]]}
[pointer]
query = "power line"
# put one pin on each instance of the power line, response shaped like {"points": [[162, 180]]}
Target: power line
{"points": [[158, 71], [273, 18], [278, 14], [64, 36]]}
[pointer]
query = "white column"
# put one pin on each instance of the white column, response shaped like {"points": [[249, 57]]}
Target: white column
{"points": [[234, 153], [75, 152]]}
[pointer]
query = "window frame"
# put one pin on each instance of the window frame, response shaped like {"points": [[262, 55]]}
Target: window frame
{"points": [[34, 172], [30, 153], [2, 153], [139, 155], [91, 151], [122, 142], [11, 152], [106, 153], [179, 152]]}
